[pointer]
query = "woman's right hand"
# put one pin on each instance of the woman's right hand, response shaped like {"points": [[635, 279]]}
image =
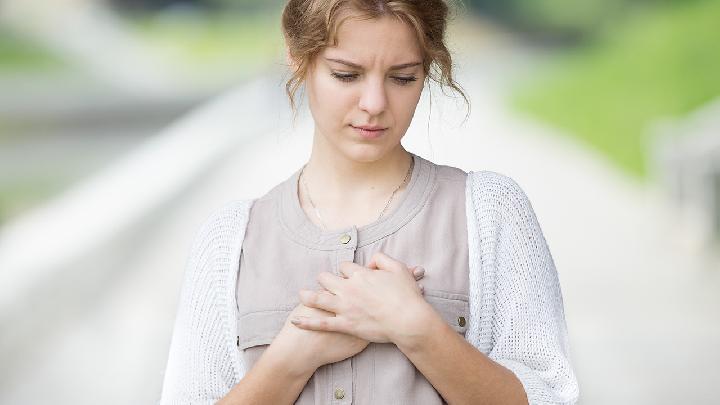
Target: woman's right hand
{"points": [[311, 349]]}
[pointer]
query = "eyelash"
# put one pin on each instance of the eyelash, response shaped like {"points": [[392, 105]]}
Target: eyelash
{"points": [[346, 78]]}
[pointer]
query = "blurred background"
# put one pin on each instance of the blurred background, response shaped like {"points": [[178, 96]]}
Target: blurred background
{"points": [[125, 123]]}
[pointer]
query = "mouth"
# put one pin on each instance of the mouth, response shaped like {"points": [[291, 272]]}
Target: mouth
{"points": [[369, 132]]}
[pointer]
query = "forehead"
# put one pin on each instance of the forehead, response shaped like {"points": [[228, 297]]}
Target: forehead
{"points": [[385, 40]]}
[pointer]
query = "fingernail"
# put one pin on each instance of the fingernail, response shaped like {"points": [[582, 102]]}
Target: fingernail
{"points": [[420, 271], [295, 320]]}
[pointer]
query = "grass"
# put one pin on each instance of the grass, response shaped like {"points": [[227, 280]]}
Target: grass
{"points": [[240, 42], [661, 63], [219, 47], [19, 195], [18, 54]]}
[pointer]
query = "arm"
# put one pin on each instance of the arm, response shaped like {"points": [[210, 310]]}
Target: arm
{"points": [[272, 380], [202, 363], [460, 372], [522, 315], [204, 366], [522, 319], [517, 311]]}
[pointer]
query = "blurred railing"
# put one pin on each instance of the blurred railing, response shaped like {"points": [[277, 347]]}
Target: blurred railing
{"points": [[62, 249]]}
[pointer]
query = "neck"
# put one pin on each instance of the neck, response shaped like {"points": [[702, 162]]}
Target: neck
{"points": [[335, 175]]}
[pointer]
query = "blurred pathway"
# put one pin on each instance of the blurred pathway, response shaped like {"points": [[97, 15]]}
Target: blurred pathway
{"points": [[641, 308]]}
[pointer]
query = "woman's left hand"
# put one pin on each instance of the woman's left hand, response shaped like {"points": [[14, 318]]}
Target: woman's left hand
{"points": [[379, 303]]}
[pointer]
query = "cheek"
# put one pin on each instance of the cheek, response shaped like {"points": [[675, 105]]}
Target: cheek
{"points": [[332, 101], [405, 104]]}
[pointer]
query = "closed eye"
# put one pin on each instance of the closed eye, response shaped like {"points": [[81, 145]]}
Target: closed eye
{"points": [[349, 77], [404, 80], [345, 77]]}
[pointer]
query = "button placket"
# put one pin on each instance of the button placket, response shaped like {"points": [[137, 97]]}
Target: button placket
{"points": [[346, 245], [342, 382], [342, 372]]}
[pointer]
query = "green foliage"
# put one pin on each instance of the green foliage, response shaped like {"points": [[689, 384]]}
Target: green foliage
{"points": [[567, 16], [249, 4], [652, 65], [22, 54], [242, 41], [19, 194]]}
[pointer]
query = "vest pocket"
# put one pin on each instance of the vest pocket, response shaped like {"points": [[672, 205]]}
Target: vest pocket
{"points": [[453, 308], [260, 327]]}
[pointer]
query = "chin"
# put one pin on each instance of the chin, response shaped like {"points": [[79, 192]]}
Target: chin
{"points": [[366, 153]]}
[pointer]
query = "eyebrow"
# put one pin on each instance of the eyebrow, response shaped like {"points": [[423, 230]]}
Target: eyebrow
{"points": [[356, 66]]}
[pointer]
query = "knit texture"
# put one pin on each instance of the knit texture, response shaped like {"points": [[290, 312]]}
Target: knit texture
{"points": [[516, 306]]}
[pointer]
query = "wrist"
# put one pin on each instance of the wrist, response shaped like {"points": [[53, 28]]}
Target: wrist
{"points": [[291, 363], [413, 329]]}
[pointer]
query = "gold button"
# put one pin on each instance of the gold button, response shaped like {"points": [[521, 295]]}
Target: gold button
{"points": [[345, 239], [339, 393], [461, 320]]}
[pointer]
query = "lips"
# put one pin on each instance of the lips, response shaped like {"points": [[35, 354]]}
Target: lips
{"points": [[369, 131], [368, 127]]}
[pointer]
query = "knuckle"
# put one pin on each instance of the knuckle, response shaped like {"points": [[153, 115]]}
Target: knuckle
{"points": [[361, 276], [322, 297], [324, 277]]}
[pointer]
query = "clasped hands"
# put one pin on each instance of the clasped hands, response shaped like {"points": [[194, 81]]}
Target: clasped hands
{"points": [[379, 303]]}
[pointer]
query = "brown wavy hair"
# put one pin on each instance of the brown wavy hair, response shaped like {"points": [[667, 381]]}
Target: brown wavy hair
{"points": [[309, 26]]}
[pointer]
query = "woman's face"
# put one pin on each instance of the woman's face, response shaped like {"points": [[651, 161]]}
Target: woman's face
{"points": [[363, 92]]}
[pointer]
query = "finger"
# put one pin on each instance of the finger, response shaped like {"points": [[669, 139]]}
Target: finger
{"points": [[321, 300], [330, 281], [382, 261], [347, 269], [418, 272], [422, 288], [326, 324]]}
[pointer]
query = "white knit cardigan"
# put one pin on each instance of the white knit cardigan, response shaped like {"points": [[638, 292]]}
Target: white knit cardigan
{"points": [[516, 306]]}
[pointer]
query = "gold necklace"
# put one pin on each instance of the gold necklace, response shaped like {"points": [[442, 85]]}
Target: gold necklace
{"points": [[317, 212]]}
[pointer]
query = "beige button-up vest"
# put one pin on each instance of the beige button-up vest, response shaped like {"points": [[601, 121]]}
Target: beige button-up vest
{"points": [[283, 251]]}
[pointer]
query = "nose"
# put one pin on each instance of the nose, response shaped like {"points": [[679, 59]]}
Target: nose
{"points": [[373, 98]]}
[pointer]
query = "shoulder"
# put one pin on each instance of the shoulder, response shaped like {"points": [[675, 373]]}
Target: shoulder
{"points": [[487, 180], [239, 212], [230, 212], [483, 183], [498, 198], [223, 221], [450, 173], [494, 187]]}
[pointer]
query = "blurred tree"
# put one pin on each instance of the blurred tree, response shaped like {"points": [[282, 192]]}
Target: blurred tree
{"points": [[156, 5], [560, 19], [250, 4], [141, 5]]}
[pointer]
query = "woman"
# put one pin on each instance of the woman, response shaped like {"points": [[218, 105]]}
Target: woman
{"points": [[309, 294]]}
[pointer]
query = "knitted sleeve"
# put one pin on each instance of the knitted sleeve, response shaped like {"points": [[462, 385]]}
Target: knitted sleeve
{"points": [[523, 313], [200, 367]]}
